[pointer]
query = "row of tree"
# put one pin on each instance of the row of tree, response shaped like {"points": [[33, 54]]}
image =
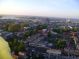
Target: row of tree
{"points": [[62, 30], [12, 27]]}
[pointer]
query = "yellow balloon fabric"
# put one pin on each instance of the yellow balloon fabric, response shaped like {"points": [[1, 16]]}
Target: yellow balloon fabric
{"points": [[4, 50]]}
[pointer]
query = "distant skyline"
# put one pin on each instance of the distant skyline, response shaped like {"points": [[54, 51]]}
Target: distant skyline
{"points": [[50, 8]]}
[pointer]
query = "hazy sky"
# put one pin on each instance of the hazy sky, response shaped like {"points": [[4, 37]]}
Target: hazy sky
{"points": [[58, 8]]}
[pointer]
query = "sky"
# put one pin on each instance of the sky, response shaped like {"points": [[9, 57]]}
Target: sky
{"points": [[52, 8]]}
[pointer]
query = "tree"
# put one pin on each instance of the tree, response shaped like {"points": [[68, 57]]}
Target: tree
{"points": [[49, 34], [60, 44], [13, 27], [44, 26], [13, 44], [26, 34], [75, 29], [58, 30], [16, 45], [6, 27], [20, 46], [22, 25]]}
